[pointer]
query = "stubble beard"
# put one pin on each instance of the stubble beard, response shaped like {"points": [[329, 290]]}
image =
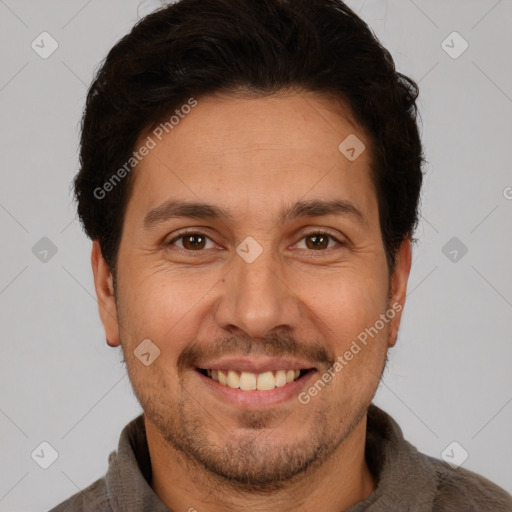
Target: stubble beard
{"points": [[250, 461]]}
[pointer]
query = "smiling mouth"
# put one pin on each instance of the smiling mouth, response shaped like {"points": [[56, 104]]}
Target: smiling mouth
{"points": [[249, 381]]}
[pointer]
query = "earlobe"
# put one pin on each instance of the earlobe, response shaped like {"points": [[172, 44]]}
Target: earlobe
{"points": [[103, 283], [399, 281]]}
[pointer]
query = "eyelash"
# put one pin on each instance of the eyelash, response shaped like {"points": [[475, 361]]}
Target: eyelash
{"points": [[188, 233]]}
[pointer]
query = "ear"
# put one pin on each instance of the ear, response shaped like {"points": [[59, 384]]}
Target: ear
{"points": [[398, 290], [103, 282]]}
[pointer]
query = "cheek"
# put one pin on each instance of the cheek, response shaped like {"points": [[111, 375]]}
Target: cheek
{"points": [[165, 308], [345, 302], [346, 313]]}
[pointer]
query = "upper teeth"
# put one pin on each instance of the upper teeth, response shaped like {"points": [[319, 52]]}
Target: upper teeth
{"points": [[248, 381]]}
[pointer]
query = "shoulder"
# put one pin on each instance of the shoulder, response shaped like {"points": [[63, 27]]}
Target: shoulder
{"points": [[461, 489], [91, 499]]}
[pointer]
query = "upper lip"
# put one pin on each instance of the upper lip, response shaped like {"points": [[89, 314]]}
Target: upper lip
{"points": [[254, 365]]}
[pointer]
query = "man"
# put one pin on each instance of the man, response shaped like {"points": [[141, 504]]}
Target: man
{"points": [[250, 175]]}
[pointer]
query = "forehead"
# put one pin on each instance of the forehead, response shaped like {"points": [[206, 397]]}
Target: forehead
{"points": [[256, 154]]}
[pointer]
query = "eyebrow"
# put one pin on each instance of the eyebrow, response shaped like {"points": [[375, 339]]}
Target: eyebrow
{"points": [[199, 210]]}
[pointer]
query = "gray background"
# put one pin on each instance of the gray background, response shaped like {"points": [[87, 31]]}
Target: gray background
{"points": [[449, 377]]}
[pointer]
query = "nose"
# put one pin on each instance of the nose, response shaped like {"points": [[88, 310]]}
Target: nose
{"points": [[257, 298]]}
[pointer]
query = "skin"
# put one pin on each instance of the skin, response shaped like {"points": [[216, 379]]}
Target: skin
{"points": [[252, 155]]}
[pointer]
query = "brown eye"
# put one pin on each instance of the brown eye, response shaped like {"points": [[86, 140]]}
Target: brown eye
{"points": [[318, 241], [194, 242]]}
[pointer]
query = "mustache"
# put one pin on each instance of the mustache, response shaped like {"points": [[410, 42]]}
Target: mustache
{"points": [[274, 345]]}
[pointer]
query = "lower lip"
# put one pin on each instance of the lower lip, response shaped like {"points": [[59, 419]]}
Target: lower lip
{"points": [[250, 399]]}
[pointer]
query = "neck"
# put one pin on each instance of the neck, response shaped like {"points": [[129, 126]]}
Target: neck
{"points": [[340, 482]]}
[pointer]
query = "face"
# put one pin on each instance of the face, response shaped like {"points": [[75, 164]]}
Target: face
{"points": [[265, 280]]}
